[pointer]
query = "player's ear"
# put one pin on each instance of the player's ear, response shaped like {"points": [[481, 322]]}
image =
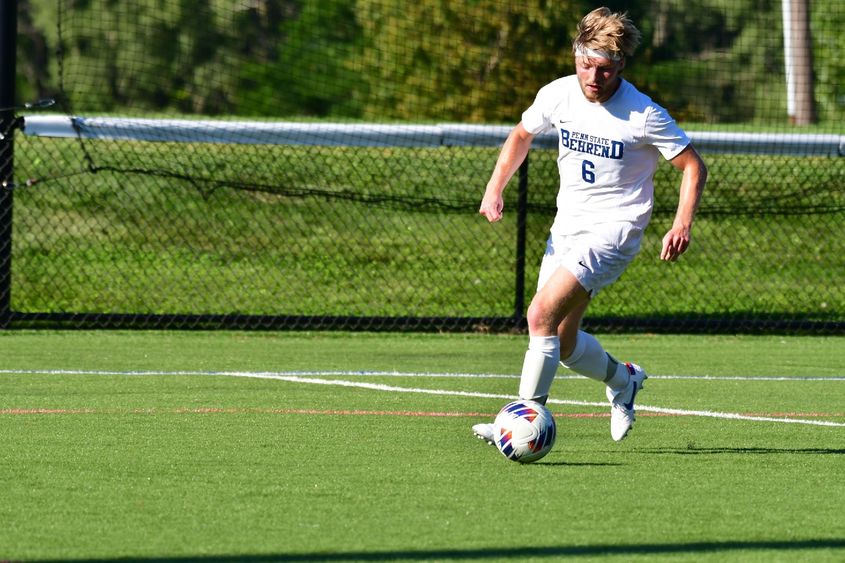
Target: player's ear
{"points": [[622, 64]]}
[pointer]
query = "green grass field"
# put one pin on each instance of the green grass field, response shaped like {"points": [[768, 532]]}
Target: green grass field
{"points": [[175, 446]]}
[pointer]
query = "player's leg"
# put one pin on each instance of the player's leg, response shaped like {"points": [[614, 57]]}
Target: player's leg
{"points": [[623, 380], [559, 296], [558, 308], [584, 354], [587, 357], [572, 271], [597, 263]]}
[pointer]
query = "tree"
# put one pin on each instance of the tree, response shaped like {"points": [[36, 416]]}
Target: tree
{"points": [[477, 61], [33, 69], [827, 20], [309, 71], [473, 61]]}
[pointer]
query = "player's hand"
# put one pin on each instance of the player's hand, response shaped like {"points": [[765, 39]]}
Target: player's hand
{"points": [[675, 243], [491, 207]]}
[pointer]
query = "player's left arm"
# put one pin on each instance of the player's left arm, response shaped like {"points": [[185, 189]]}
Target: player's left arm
{"points": [[694, 177]]}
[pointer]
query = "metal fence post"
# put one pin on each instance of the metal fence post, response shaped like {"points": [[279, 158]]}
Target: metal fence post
{"points": [[8, 55]]}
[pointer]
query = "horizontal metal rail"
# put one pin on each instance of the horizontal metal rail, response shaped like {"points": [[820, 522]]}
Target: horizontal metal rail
{"points": [[386, 135]]}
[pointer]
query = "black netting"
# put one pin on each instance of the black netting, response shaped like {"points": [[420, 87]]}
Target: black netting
{"points": [[370, 230]]}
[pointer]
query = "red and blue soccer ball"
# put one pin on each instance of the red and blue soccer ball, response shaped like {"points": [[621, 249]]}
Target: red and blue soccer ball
{"points": [[524, 431]]}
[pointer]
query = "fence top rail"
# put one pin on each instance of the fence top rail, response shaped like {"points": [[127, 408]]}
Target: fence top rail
{"points": [[385, 135]]}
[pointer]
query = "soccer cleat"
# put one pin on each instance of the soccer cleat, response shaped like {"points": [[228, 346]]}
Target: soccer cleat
{"points": [[484, 431], [622, 403]]}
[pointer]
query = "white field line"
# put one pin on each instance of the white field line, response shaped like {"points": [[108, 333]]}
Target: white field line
{"points": [[308, 378], [426, 375]]}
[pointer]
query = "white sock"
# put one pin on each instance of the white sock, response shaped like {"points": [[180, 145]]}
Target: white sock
{"points": [[590, 360], [539, 367]]}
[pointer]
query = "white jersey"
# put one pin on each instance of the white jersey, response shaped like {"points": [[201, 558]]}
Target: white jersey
{"points": [[608, 153]]}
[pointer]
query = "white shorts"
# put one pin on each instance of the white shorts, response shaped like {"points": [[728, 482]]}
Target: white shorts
{"points": [[596, 258]]}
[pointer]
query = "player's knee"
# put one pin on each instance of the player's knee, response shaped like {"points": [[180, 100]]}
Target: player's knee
{"points": [[540, 319]]}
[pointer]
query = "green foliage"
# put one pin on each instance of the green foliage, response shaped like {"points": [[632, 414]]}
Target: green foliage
{"points": [[308, 71], [712, 61], [479, 61], [148, 54], [827, 25], [33, 70]]}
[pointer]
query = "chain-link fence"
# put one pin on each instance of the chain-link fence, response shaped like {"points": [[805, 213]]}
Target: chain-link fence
{"points": [[343, 225]]}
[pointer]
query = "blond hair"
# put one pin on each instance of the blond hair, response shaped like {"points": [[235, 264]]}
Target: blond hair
{"points": [[608, 32]]}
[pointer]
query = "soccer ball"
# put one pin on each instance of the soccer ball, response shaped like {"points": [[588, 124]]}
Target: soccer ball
{"points": [[524, 431]]}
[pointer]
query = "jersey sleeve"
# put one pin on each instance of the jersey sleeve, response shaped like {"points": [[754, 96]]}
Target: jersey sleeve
{"points": [[535, 119], [664, 133]]}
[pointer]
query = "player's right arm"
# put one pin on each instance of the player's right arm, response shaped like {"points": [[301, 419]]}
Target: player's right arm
{"points": [[694, 177], [510, 158]]}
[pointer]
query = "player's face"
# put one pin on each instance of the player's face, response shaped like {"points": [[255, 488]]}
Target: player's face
{"points": [[598, 77]]}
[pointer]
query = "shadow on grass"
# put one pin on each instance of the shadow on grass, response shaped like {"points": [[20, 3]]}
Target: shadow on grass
{"points": [[504, 553], [576, 464], [692, 449]]}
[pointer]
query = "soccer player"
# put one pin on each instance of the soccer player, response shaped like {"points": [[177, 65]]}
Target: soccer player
{"points": [[610, 138]]}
